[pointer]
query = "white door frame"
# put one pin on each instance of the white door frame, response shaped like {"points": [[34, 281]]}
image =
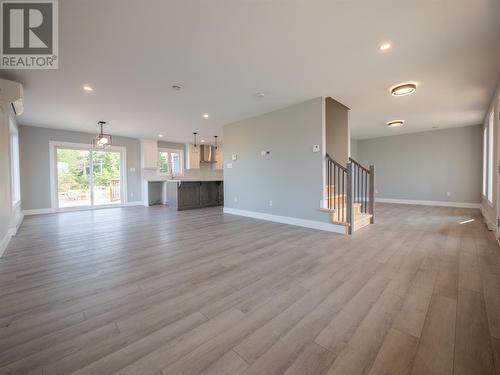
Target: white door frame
{"points": [[53, 145]]}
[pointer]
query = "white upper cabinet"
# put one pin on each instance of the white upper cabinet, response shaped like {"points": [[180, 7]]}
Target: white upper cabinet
{"points": [[192, 156], [149, 154], [219, 157]]}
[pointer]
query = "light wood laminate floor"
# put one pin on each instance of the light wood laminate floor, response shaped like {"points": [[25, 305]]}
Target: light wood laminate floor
{"points": [[155, 291]]}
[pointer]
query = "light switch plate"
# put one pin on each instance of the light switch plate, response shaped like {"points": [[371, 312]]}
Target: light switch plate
{"points": [[234, 157], [229, 165], [315, 148], [132, 170]]}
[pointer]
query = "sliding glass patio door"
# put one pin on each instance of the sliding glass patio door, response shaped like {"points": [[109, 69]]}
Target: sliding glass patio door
{"points": [[87, 178]]}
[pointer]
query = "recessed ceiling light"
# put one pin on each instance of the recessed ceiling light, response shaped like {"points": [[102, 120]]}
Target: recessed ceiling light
{"points": [[160, 135], [403, 89], [206, 115], [260, 94], [202, 141], [395, 123], [385, 46], [88, 88]]}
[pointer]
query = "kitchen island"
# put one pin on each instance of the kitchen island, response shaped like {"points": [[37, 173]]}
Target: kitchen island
{"points": [[189, 194]]}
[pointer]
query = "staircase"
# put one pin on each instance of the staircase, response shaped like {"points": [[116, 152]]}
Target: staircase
{"points": [[349, 194]]}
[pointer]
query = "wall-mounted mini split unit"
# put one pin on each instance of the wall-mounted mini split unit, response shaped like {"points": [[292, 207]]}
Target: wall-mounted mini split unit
{"points": [[12, 92]]}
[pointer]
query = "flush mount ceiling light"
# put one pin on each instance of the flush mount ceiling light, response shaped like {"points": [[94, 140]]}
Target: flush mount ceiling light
{"points": [[176, 87], [206, 115], [88, 88], [403, 89], [260, 94], [395, 123], [385, 46], [102, 140]]}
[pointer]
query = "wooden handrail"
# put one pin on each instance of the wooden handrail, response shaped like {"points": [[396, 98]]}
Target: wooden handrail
{"points": [[359, 165], [337, 164]]}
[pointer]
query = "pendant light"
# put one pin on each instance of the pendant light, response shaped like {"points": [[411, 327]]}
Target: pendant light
{"points": [[102, 140], [216, 136], [195, 134]]}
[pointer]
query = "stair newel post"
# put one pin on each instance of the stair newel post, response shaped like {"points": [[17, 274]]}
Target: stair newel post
{"points": [[372, 194], [349, 205]]}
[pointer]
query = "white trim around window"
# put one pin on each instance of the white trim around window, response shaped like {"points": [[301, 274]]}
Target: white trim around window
{"points": [[53, 145], [15, 172], [181, 160], [488, 162]]}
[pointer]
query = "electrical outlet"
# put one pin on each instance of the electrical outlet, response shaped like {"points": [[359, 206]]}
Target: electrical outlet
{"points": [[270, 203]]}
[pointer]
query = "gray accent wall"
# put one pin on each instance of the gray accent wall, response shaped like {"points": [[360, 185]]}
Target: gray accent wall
{"points": [[35, 164], [291, 175], [353, 149], [425, 166], [337, 130]]}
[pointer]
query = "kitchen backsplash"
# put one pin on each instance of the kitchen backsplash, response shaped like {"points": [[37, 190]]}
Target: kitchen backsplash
{"points": [[204, 173]]}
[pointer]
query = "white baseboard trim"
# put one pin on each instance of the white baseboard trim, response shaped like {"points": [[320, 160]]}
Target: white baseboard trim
{"points": [[134, 203], [429, 203], [288, 220], [39, 211], [490, 224], [44, 211], [17, 223], [4, 243]]}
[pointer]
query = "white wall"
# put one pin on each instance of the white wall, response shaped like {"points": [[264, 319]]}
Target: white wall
{"points": [[10, 217], [426, 166]]}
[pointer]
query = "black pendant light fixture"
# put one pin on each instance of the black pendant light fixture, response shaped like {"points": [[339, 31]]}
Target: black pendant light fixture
{"points": [[216, 136], [195, 134], [102, 140]]}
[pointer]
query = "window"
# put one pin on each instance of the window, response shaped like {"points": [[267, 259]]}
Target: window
{"points": [[485, 161], [490, 158], [488, 167], [171, 161], [15, 182]]}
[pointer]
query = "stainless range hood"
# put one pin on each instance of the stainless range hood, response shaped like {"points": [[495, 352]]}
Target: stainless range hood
{"points": [[207, 154]]}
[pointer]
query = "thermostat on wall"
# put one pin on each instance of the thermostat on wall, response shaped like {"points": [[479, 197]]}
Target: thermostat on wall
{"points": [[315, 148]]}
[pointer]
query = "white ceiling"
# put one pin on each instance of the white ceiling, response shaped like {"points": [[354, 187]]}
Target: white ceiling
{"points": [[224, 51]]}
